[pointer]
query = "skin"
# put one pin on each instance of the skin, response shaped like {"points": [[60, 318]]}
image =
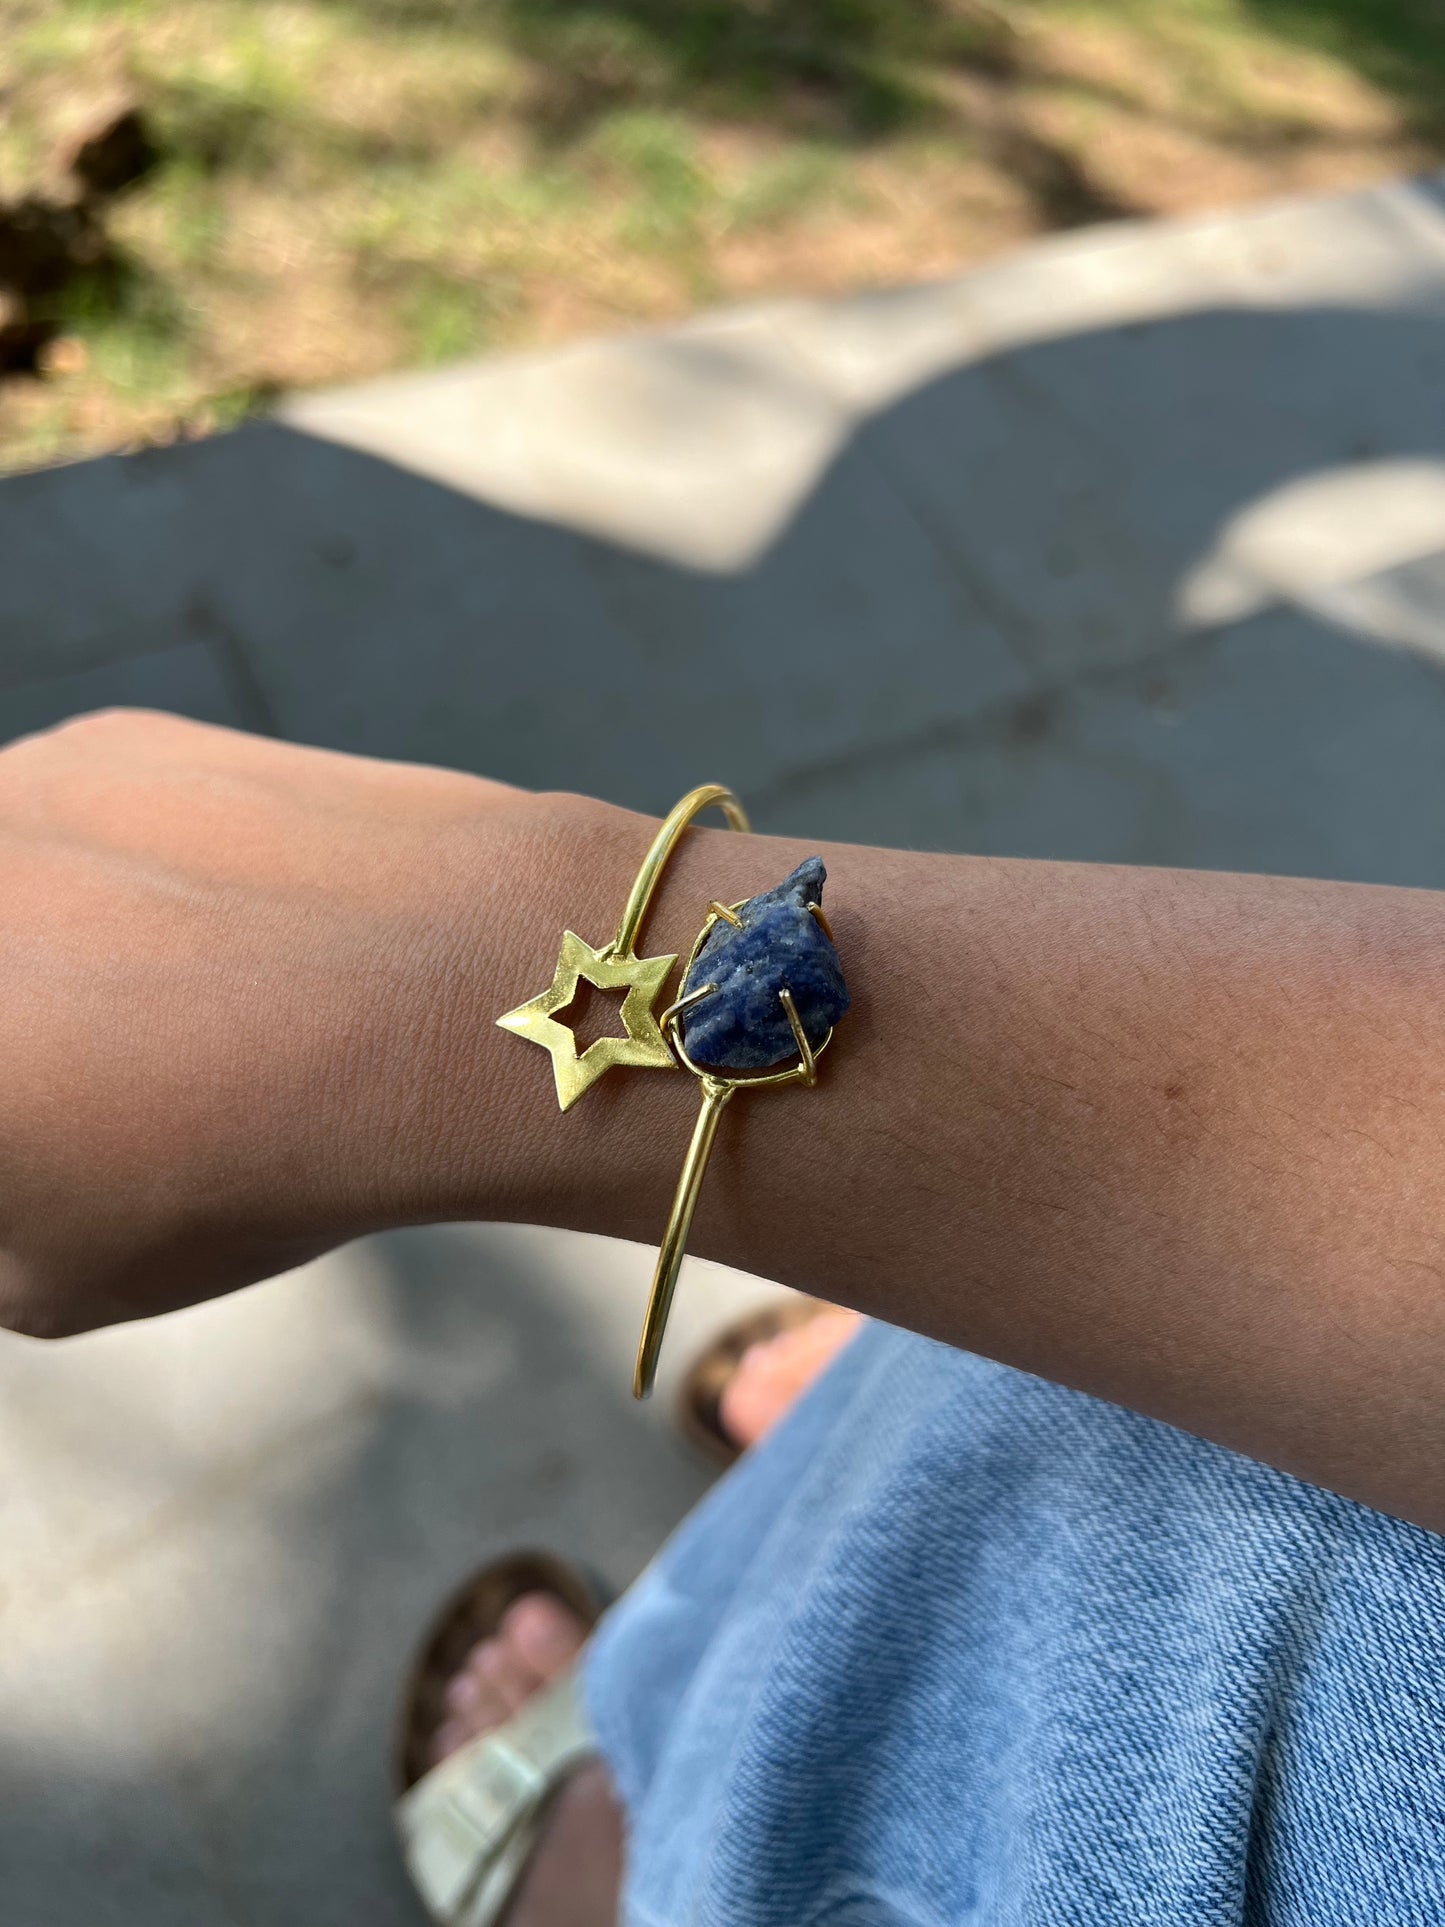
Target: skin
{"points": [[1175, 1138], [771, 1375]]}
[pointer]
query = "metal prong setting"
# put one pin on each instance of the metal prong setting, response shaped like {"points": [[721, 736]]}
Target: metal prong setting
{"points": [[808, 1063], [682, 1004], [717, 1089]]}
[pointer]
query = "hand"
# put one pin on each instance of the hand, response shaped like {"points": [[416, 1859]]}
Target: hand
{"points": [[1170, 1137], [241, 987]]}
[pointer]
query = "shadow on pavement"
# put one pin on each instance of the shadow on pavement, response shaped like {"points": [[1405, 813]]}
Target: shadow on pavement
{"points": [[1041, 605], [969, 634], [240, 1772]]}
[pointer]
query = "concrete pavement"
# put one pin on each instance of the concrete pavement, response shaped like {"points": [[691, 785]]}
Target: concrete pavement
{"points": [[1131, 547]]}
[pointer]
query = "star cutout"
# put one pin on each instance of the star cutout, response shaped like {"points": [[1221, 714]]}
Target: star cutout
{"points": [[644, 1044]]}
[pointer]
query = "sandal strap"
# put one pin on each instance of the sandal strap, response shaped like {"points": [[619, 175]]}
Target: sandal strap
{"points": [[468, 1826]]}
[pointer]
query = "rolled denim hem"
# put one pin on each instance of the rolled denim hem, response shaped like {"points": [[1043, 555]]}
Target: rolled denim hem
{"points": [[957, 1646]]}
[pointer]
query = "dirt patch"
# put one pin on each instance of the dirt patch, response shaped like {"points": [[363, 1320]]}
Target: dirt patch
{"points": [[280, 194]]}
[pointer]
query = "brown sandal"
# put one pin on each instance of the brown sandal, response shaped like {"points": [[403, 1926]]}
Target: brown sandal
{"points": [[468, 1826]]}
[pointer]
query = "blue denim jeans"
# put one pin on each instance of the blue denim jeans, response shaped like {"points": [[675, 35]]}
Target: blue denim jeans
{"points": [[955, 1646]]}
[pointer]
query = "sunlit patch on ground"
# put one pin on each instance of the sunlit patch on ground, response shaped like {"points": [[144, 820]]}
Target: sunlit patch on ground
{"points": [[346, 188]]}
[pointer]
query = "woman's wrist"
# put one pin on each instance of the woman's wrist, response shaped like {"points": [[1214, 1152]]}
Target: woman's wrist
{"points": [[487, 1139], [608, 1164], [250, 1003]]}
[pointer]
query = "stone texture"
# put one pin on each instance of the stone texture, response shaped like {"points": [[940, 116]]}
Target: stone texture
{"points": [[776, 944]]}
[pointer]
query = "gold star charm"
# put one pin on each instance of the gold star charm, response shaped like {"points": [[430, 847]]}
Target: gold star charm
{"points": [[644, 1044]]}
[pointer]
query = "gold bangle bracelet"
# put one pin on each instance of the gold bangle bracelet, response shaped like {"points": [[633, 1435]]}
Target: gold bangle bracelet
{"points": [[658, 1043]]}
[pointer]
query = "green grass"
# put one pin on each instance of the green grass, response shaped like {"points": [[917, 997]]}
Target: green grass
{"points": [[1398, 44], [669, 195], [786, 188], [443, 317], [350, 185]]}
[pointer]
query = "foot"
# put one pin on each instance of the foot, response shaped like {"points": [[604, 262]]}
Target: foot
{"points": [[575, 1873], [770, 1375]]}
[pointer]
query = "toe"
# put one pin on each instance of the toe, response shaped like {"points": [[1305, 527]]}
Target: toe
{"points": [[484, 1709], [464, 1690], [537, 1637], [498, 1664], [474, 1699], [543, 1633], [772, 1374], [448, 1737], [750, 1401]]}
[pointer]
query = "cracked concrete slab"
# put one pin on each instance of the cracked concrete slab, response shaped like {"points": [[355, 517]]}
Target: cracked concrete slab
{"points": [[1127, 548], [226, 1530], [692, 445], [1283, 745], [1277, 743], [189, 679]]}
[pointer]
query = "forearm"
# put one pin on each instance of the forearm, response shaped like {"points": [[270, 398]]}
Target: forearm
{"points": [[1175, 1138]]}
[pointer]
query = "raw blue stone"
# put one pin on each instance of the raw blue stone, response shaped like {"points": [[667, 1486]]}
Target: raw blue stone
{"points": [[743, 1026]]}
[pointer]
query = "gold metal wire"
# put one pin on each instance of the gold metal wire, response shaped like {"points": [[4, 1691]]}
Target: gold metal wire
{"points": [[616, 966], [654, 1042], [717, 1093], [662, 847]]}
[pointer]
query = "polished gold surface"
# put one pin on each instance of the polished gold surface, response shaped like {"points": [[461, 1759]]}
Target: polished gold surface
{"points": [[652, 1042], [673, 824], [717, 1090], [803, 1072], [644, 1046], [683, 1003], [816, 910], [807, 1057], [616, 966]]}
